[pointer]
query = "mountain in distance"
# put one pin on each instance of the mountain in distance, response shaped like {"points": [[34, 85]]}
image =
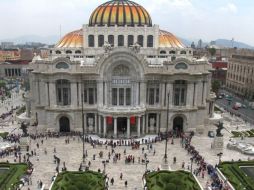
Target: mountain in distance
{"points": [[229, 44], [33, 38], [53, 39]]}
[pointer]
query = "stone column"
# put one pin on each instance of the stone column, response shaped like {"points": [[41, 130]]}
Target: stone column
{"points": [[157, 123], [104, 126], [128, 127], [52, 89], [189, 94], [95, 123], [115, 126], [73, 94], [170, 90], [138, 132], [143, 124], [147, 115], [99, 124], [85, 124]]}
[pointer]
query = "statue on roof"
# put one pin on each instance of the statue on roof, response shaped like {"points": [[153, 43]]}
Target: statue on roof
{"points": [[107, 47], [219, 128]]}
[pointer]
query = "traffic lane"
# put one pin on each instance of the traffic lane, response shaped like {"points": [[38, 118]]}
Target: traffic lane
{"points": [[243, 112], [246, 111]]}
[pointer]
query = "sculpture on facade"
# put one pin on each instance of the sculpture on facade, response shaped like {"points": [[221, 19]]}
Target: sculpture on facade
{"points": [[107, 47], [90, 123], [152, 123], [136, 47], [219, 128]]}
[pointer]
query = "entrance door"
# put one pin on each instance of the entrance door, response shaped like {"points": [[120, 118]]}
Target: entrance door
{"points": [[122, 124], [64, 124], [178, 125]]}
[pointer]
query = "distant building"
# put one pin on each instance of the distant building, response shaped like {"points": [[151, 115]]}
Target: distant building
{"points": [[9, 54], [219, 71], [240, 76], [200, 44], [7, 45]]}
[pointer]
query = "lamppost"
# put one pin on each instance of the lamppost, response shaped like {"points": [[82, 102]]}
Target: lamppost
{"points": [[220, 155], [147, 161], [166, 142], [191, 159], [83, 129], [104, 162]]}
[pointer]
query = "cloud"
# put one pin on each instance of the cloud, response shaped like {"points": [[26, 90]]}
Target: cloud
{"points": [[229, 8]]}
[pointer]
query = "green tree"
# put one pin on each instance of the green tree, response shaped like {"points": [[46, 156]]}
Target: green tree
{"points": [[212, 51], [216, 86]]}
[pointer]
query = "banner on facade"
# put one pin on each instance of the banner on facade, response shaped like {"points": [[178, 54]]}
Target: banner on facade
{"points": [[109, 120], [133, 120]]}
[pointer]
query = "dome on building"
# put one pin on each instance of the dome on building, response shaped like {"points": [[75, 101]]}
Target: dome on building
{"points": [[167, 39], [75, 40], [120, 12], [71, 40]]}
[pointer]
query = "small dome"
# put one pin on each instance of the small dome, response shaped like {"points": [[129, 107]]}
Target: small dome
{"points": [[71, 40], [166, 39], [121, 13]]}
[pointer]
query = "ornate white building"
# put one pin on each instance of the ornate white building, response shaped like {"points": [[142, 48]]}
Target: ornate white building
{"points": [[126, 72]]}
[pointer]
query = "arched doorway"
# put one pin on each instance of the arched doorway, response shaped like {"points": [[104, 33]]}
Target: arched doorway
{"points": [[64, 124], [178, 125]]}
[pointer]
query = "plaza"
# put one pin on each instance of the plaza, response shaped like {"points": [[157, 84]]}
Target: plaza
{"points": [[71, 154]]}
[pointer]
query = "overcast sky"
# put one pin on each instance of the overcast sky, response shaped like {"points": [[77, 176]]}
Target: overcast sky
{"points": [[191, 19]]}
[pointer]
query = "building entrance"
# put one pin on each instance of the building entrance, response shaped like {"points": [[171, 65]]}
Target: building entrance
{"points": [[178, 125], [122, 124], [64, 124]]}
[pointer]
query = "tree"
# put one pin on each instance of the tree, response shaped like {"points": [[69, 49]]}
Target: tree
{"points": [[216, 86], [212, 51]]}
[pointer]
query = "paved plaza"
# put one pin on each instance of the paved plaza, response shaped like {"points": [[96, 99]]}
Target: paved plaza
{"points": [[71, 154]]}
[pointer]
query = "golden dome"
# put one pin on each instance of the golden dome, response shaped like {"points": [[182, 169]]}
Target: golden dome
{"points": [[166, 39], [71, 40], [75, 40], [120, 12]]}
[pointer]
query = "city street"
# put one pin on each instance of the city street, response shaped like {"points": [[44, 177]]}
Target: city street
{"points": [[245, 113]]}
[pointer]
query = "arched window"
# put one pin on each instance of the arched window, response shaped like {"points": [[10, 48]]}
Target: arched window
{"points": [[180, 92], [62, 65], [68, 52], [63, 92], [150, 41], [91, 41], [162, 52], [183, 52], [78, 52], [172, 52], [141, 40], [130, 40], [120, 40], [100, 40], [181, 66], [58, 52], [111, 40]]}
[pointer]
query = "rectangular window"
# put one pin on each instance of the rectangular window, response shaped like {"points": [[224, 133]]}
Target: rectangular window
{"points": [[182, 96], [128, 96], [114, 96], [65, 96], [157, 95], [121, 96], [91, 95], [177, 97], [151, 96], [59, 92], [95, 95], [85, 95]]}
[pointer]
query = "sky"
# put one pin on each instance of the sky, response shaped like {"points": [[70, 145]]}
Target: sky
{"points": [[191, 19]]}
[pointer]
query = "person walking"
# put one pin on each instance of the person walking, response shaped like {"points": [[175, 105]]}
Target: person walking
{"points": [[126, 183], [112, 181], [121, 176]]}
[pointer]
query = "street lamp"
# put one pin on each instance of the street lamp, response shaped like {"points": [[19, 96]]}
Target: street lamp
{"points": [[147, 161], [191, 159], [166, 142], [83, 128], [105, 162], [220, 155]]}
